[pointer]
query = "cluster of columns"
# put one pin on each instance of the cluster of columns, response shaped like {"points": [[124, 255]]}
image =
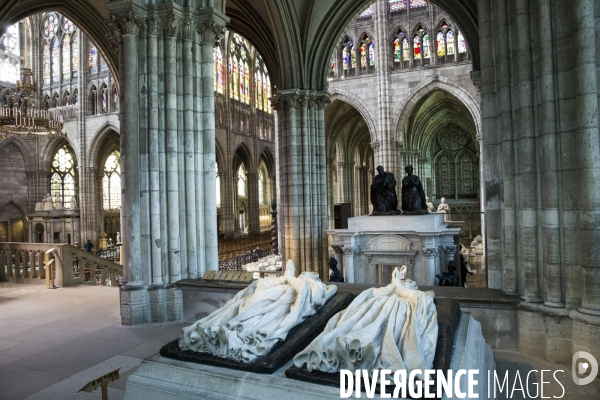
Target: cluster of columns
{"points": [[302, 194], [542, 166], [168, 164]]}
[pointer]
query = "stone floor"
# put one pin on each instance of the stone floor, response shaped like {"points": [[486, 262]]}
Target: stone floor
{"points": [[52, 342]]}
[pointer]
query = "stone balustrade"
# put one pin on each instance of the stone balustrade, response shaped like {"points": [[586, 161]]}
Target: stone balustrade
{"points": [[22, 262]]}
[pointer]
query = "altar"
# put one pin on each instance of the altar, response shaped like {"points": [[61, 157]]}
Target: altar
{"points": [[372, 246]]}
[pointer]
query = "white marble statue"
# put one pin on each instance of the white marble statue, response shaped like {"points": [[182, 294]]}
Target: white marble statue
{"points": [[271, 262], [394, 327], [443, 207], [430, 207], [118, 238], [47, 203], [258, 317]]}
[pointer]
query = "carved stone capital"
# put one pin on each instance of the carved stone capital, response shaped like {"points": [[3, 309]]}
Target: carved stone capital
{"points": [[448, 249], [130, 23], [210, 31], [337, 249], [153, 27], [429, 252], [351, 251], [170, 26], [188, 29]]}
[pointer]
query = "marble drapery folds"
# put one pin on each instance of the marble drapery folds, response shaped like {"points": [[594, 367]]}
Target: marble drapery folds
{"points": [[394, 327], [258, 317]]}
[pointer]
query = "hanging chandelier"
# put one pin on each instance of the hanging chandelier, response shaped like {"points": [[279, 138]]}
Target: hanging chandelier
{"points": [[21, 116]]}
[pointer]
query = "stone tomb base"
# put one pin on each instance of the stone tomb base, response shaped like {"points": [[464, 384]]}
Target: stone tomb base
{"points": [[163, 378], [372, 246]]}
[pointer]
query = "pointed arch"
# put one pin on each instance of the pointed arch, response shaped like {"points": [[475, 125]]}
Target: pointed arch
{"points": [[355, 101], [242, 154], [269, 160], [95, 150], [403, 110], [23, 148], [16, 204]]}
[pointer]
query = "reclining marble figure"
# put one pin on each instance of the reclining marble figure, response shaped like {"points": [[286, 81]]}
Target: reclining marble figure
{"points": [[258, 317], [394, 327]]}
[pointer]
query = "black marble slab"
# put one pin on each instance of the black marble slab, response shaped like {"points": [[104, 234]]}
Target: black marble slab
{"points": [[448, 314], [297, 339]]}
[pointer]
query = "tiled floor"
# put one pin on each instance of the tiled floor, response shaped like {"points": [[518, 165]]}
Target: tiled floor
{"points": [[52, 342]]}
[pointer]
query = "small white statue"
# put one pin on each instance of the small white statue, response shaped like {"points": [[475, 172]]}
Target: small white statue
{"points": [[258, 317], [443, 207], [118, 238], [393, 327], [47, 203], [430, 207]]}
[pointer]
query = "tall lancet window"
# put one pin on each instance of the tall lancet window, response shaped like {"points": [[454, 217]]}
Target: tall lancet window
{"points": [[62, 180], [111, 182], [261, 188], [241, 181]]}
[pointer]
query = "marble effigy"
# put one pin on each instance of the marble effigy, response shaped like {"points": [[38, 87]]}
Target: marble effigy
{"points": [[394, 327], [258, 317]]}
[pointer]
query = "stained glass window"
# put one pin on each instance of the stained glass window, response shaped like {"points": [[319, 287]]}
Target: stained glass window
{"points": [[268, 96], [235, 78], [115, 100], [62, 181], [332, 64], [49, 25], [417, 46], [363, 55], [104, 99], [397, 5], [218, 60], [469, 174], [46, 63], [76, 97], [66, 98], [93, 60], [418, 3], [397, 50], [230, 69], [68, 26], [345, 58], [462, 44], [426, 46], [246, 83], [367, 12], [261, 195], [440, 44], [371, 54], [66, 57], [111, 182], [405, 49], [241, 181], [259, 89], [10, 61], [103, 65], [450, 42], [55, 68], [75, 54]]}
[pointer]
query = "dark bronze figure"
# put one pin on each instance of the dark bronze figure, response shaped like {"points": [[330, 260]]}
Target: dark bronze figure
{"points": [[336, 275], [413, 196], [449, 278], [383, 193]]}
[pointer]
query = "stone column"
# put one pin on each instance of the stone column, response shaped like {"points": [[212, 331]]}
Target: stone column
{"points": [[348, 264], [190, 153], [152, 31], [171, 25], [302, 172], [588, 155], [550, 184], [211, 29], [130, 168], [526, 153]]}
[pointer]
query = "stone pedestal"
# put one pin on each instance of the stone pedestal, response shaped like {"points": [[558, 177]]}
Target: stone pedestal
{"points": [[373, 245]]}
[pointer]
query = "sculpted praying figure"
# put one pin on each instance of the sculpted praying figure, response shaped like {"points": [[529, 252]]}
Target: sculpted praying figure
{"points": [[383, 193], [413, 196]]}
